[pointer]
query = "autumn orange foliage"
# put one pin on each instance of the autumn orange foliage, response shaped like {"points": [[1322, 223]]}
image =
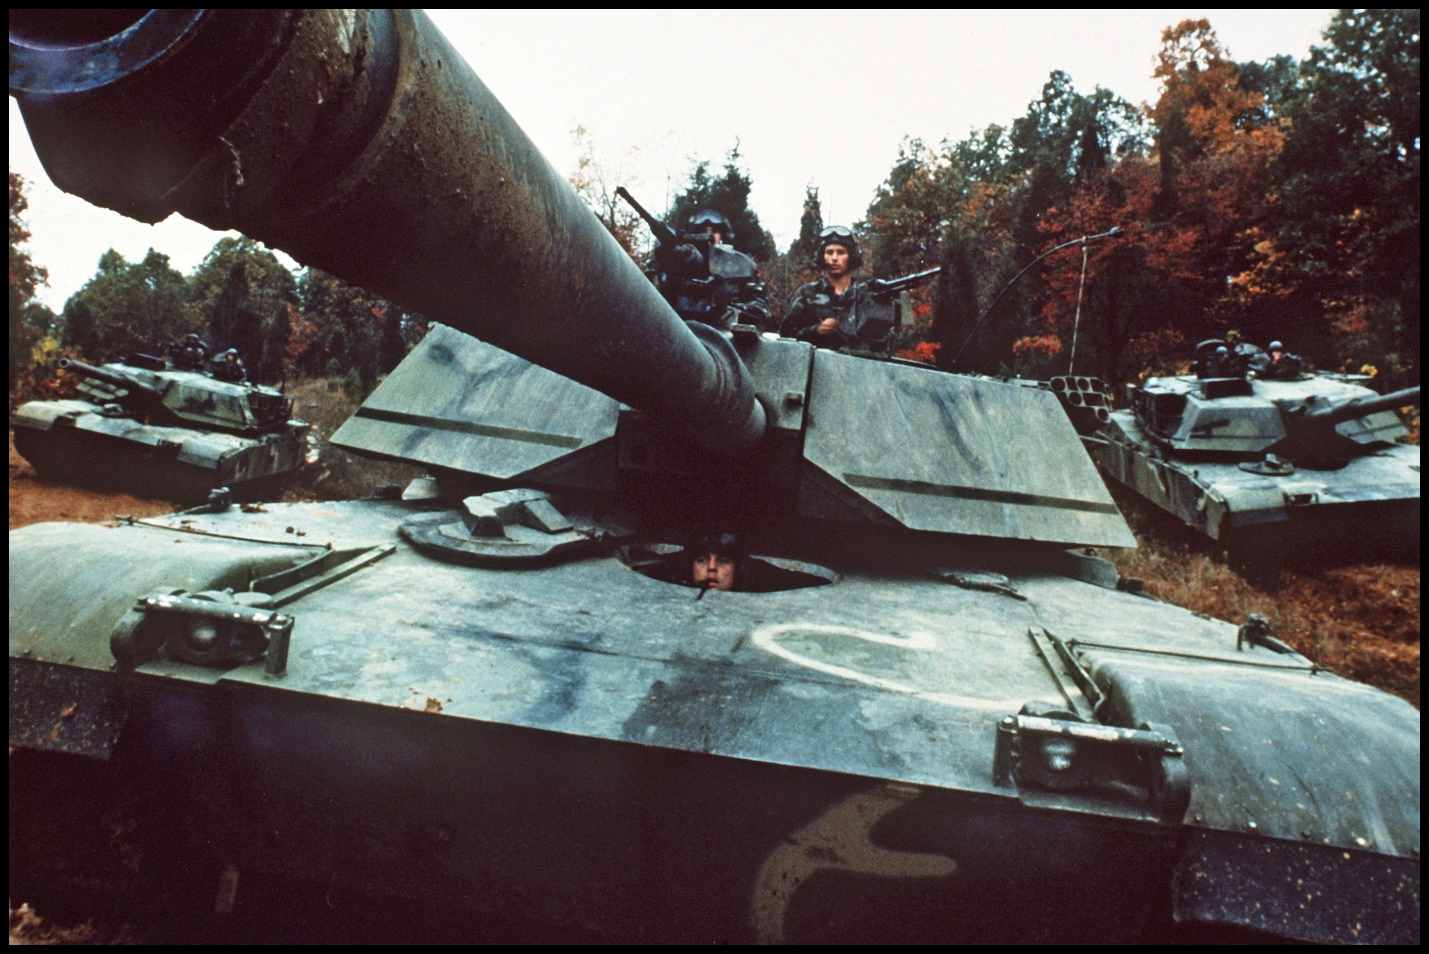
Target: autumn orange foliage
{"points": [[924, 351], [1190, 262]]}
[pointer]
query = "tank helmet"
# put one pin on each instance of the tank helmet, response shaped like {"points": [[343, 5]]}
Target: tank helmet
{"points": [[710, 219], [720, 543], [1275, 346], [838, 235]]}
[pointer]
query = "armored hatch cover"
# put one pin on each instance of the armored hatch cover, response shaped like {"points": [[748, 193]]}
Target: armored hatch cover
{"points": [[868, 442]]}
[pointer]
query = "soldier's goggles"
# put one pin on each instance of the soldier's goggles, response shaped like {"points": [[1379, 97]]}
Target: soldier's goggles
{"points": [[837, 231]]}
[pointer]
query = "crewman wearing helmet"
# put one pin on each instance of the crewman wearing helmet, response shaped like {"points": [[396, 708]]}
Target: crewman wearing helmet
{"points": [[819, 311], [228, 366], [706, 279], [1281, 364], [190, 353]]}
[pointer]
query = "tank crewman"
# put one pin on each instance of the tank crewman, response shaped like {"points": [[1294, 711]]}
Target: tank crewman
{"points": [[228, 366], [819, 311], [189, 353], [1218, 365], [1279, 364], [716, 561], [1215, 360], [704, 278]]}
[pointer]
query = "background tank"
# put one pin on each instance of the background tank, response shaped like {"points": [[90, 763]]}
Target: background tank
{"points": [[937, 716], [1308, 466], [158, 431]]}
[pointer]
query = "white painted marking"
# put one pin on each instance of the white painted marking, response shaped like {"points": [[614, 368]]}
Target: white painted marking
{"points": [[767, 638]]}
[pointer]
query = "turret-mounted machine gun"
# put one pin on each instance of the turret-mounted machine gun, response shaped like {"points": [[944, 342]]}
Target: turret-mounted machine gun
{"points": [[872, 324], [705, 281]]}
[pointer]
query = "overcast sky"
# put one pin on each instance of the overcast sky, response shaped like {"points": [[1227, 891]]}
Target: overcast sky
{"points": [[812, 100]]}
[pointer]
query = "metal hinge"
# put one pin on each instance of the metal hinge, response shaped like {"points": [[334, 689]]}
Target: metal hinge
{"points": [[1049, 749], [224, 629]]}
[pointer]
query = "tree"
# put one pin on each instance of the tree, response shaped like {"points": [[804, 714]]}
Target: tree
{"points": [[126, 307], [596, 182], [25, 278], [922, 214], [977, 206], [811, 223], [345, 333], [785, 271], [1342, 242], [243, 293], [729, 195], [1191, 213]]}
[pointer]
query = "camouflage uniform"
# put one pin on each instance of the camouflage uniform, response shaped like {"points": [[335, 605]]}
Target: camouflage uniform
{"points": [[1289, 366], [817, 300], [228, 366], [189, 354]]}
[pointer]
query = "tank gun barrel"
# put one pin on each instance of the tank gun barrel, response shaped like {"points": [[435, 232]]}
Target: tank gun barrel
{"points": [[108, 377], [361, 143], [1359, 407]]}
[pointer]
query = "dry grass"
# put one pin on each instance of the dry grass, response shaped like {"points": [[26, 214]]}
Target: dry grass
{"points": [[27, 927], [1361, 621], [338, 474]]}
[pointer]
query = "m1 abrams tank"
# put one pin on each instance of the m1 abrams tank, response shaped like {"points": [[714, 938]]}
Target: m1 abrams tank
{"points": [[1307, 465], [941, 719], [160, 431]]}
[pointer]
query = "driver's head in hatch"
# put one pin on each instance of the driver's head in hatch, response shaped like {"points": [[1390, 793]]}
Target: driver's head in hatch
{"points": [[715, 560]]}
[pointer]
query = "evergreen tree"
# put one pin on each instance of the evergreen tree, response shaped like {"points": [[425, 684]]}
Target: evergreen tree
{"points": [[811, 223], [244, 292], [25, 278], [729, 195], [1345, 228]]}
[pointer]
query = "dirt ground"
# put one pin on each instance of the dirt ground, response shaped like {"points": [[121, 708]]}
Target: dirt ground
{"points": [[35, 501], [1359, 620]]}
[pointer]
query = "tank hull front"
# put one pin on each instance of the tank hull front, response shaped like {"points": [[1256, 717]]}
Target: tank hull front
{"points": [[1368, 508], [618, 840], [584, 745], [71, 442]]}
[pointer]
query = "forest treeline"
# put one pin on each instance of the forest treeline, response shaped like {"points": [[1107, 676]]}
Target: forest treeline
{"points": [[1279, 199]]}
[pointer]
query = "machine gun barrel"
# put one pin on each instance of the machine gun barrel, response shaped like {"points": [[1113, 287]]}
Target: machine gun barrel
{"points": [[663, 233], [1360, 407], [107, 376], [361, 143], [892, 286]]}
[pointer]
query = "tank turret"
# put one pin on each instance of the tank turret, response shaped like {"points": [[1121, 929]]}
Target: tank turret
{"points": [[184, 398], [1309, 465], [479, 408], [877, 703]]}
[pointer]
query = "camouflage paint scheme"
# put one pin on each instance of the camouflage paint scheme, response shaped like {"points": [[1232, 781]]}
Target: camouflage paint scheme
{"points": [[586, 744], [163, 433], [1200, 463], [967, 732]]}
